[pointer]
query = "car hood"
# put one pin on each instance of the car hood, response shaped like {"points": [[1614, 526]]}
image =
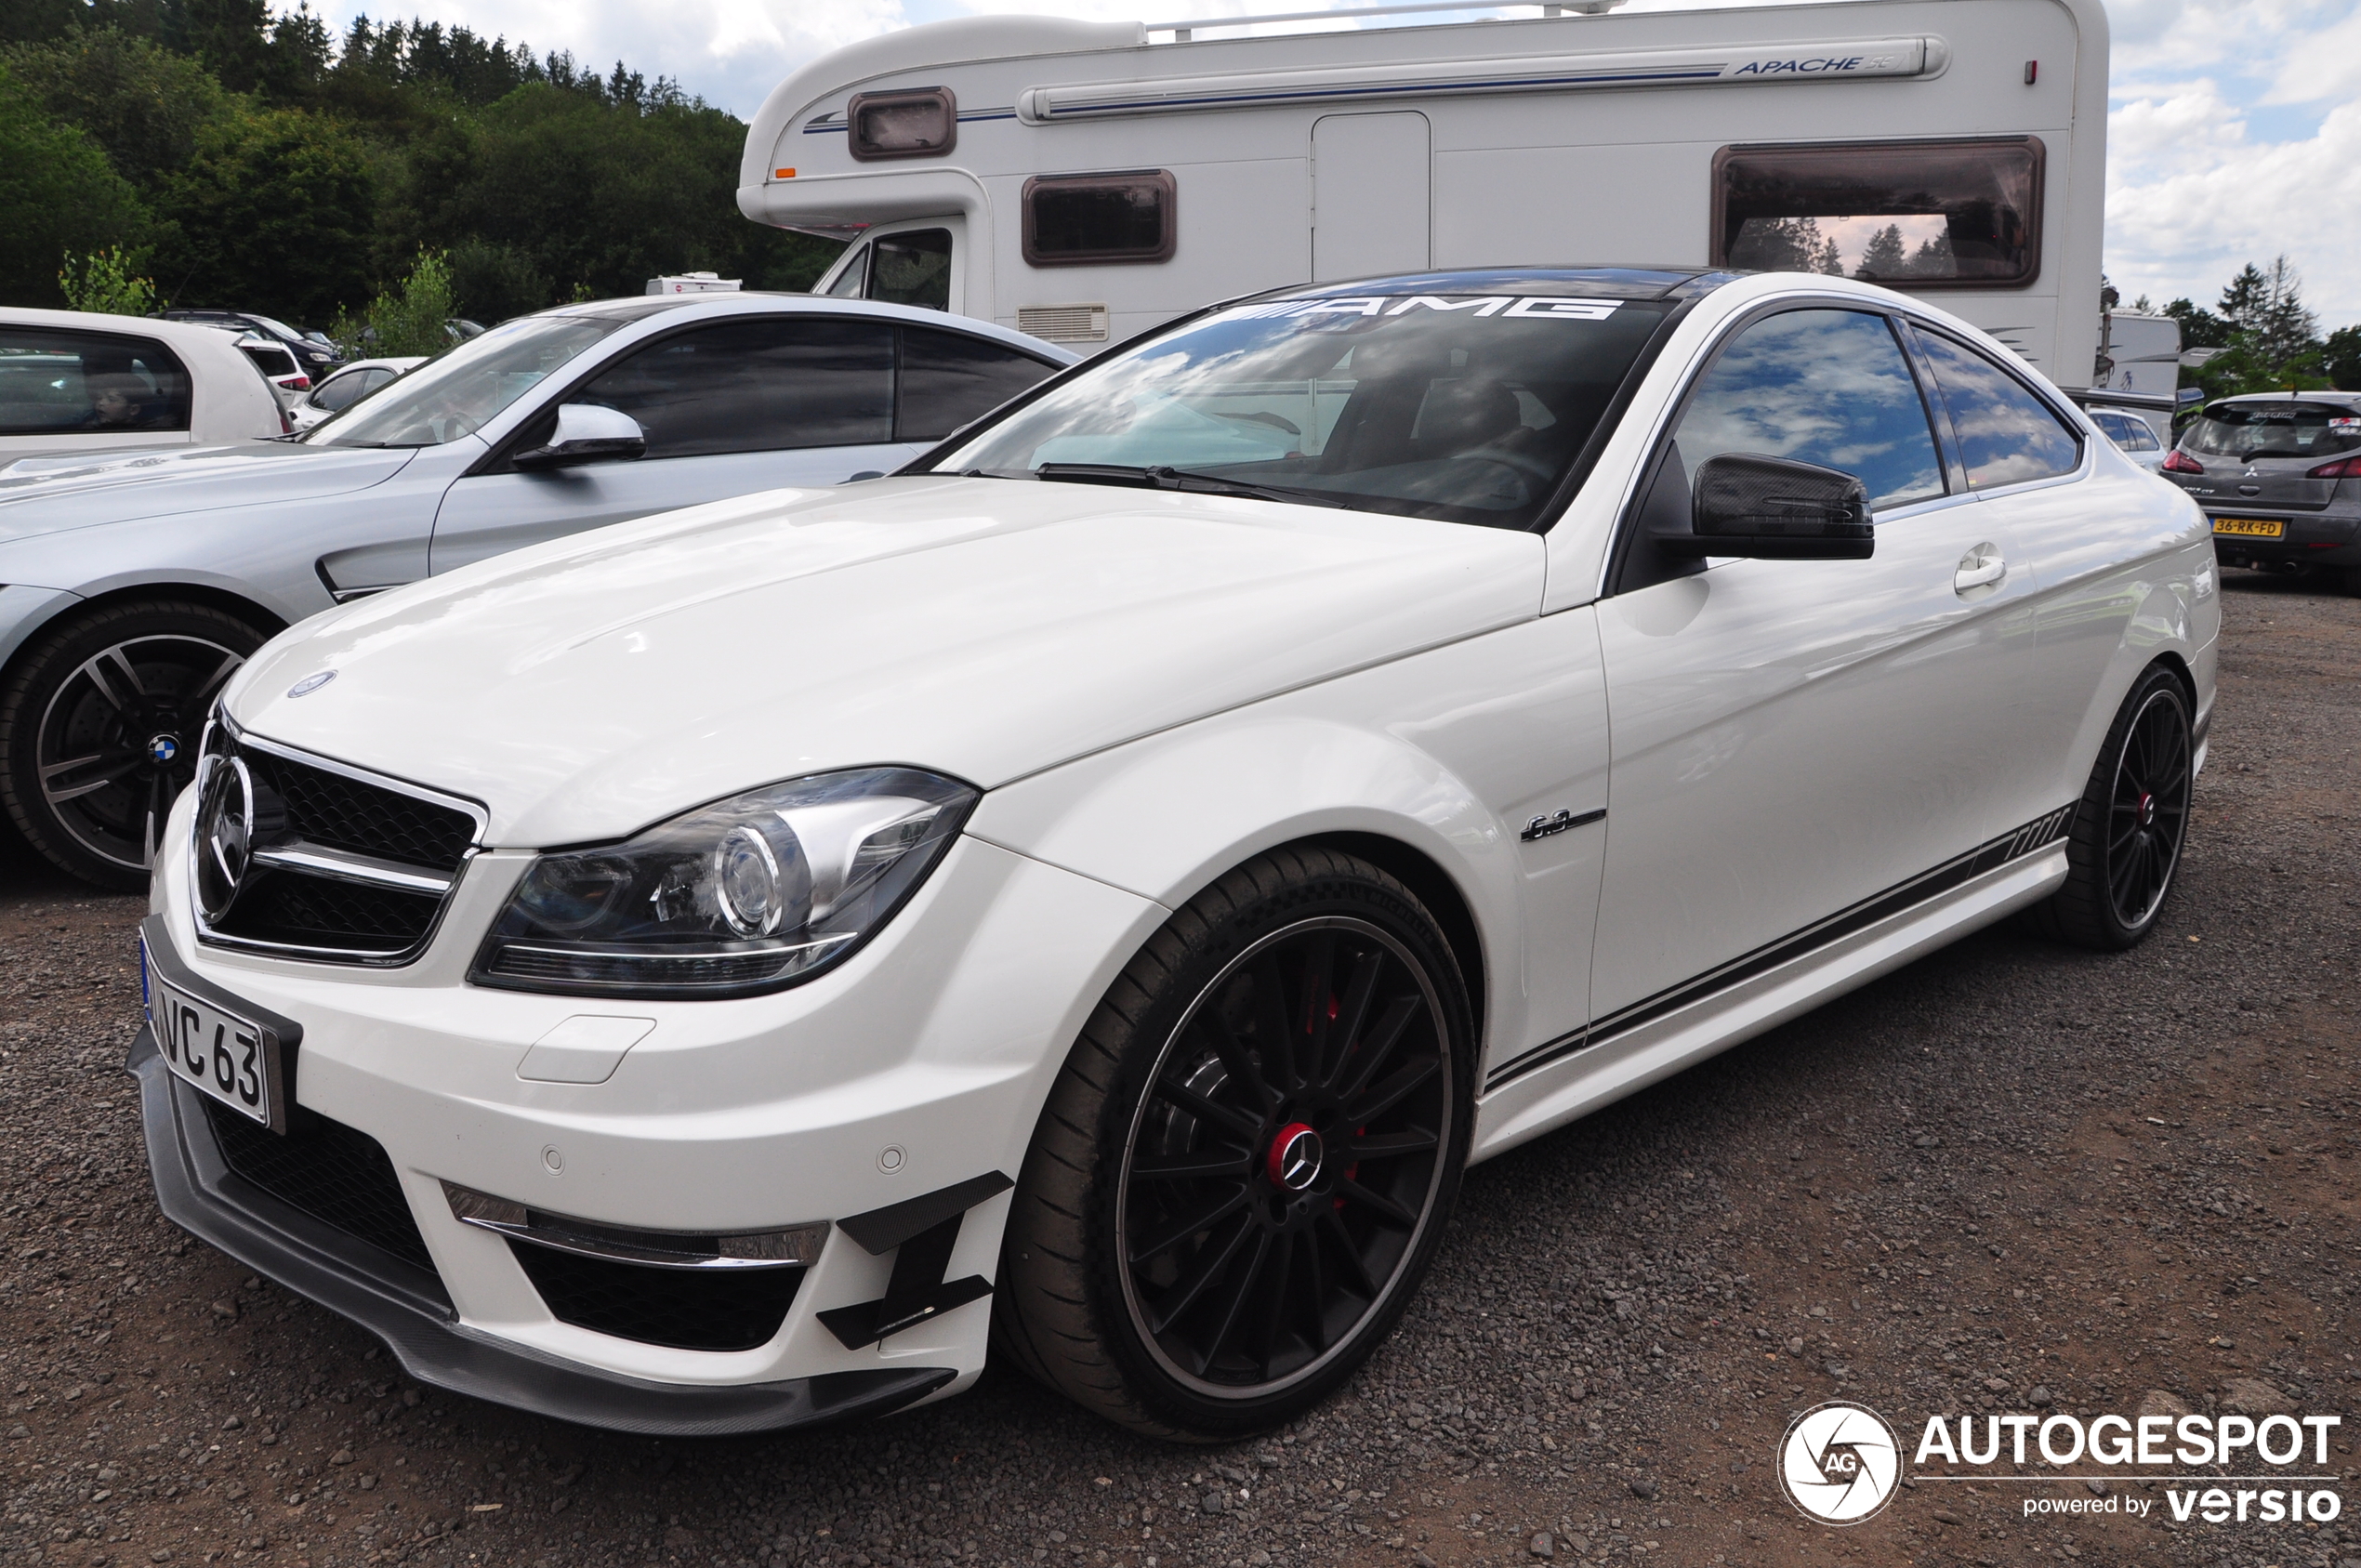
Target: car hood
{"points": [[49, 494], [984, 628]]}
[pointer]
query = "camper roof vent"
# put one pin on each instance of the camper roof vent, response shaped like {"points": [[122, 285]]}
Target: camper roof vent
{"points": [[1064, 323]]}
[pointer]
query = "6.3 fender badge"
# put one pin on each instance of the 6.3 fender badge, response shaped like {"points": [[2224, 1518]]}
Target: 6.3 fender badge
{"points": [[1549, 825], [311, 683]]}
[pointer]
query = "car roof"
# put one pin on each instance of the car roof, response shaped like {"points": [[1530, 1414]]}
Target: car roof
{"points": [[204, 337], [1603, 283], [700, 307], [2349, 399]]}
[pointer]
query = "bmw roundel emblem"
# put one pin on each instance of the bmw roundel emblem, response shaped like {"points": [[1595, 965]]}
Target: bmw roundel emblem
{"points": [[163, 749], [311, 683]]}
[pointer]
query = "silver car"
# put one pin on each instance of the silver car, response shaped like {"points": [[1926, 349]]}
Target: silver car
{"points": [[163, 570], [2132, 436], [2279, 473]]}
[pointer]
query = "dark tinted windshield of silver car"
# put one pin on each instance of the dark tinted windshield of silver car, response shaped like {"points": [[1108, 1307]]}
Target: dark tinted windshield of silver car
{"points": [[1465, 407], [2275, 429]]}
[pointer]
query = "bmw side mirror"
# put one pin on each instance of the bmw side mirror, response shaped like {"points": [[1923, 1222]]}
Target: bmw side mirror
{"points": [[587, 433], [1776, 509]]}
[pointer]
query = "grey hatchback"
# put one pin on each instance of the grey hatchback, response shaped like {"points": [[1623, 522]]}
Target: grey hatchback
{"points": [[2279, 473]]}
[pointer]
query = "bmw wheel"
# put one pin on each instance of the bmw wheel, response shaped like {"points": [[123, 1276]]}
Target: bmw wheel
{"points": [[1245, 1165], [2125, 845], [100, 725]]}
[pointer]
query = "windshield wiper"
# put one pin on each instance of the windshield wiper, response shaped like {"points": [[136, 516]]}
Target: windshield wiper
{"points": [[1167, 478]]}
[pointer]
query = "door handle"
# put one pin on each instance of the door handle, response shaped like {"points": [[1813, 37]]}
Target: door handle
{"points": [[1979, 568]]}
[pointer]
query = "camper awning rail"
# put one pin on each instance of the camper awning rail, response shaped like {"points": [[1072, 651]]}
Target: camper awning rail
{"points": [[1181, 30], [1833, 60]]}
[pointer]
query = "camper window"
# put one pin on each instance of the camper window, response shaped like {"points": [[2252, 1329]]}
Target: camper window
{"points": [[1918, 213], [1075, 219], [921, 123]]}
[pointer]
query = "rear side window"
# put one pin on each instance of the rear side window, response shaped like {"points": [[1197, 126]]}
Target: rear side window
{"points": [[2275, 429], [949, 378], [66, 383], [1825, 386], [1916, 213], [2006, 434], [757, 384], [2130, 434], [1080, 219]]}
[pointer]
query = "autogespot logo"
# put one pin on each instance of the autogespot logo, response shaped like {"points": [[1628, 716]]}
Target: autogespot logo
{"points": [[1840, 1463]]}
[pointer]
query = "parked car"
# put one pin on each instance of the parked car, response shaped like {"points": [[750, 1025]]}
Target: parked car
{"points": [[314, 350], [2279, 474], [278, 365], [1249, 777], [176, 566], [75, 383], [2132, 435], [348, 386]]}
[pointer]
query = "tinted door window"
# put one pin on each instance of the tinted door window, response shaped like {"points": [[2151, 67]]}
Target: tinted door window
{"points": [[343, 392], [2006, 434], [64, 383], [948, 378], [912, 269], [757, 384], [1825, 386]]}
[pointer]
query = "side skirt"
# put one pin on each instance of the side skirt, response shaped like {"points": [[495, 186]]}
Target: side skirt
{"points": [[1659, 1035]]}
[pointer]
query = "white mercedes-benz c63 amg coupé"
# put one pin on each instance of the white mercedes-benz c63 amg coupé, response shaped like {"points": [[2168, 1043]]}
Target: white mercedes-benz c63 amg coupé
{"points": [[1092, 892]]}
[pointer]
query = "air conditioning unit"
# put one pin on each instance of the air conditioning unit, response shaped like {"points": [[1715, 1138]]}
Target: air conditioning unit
{"points": [[1064, 323]]}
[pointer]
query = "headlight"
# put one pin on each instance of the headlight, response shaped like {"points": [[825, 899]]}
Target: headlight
{"points": [[746, 895]]}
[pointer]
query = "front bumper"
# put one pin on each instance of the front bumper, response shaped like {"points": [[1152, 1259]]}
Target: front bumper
{"points": [[915, 1070], [410, 1313]]}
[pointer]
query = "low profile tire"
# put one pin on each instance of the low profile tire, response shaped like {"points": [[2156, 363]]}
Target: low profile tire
{"points": [[2124, 847], [1245, 1165], [100, 725]]}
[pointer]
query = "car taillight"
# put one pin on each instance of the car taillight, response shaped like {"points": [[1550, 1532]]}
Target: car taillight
{"points": [[2181, 463], [299, 383], [2343, 468]]}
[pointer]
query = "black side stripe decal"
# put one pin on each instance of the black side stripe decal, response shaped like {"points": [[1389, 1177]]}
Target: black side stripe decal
{"points": [[2032, 837]]}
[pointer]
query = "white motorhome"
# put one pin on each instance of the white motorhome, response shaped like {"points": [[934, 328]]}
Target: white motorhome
{"points": [[1083, 181]]}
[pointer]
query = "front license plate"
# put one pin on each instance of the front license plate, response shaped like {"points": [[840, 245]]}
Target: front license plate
{"points": [[2251, 527], [228, 1057]]}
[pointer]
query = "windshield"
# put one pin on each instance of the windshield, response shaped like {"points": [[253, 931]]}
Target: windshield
{"points": [[2275, 429], [1465, 407], [282, 328], [452, 396]]}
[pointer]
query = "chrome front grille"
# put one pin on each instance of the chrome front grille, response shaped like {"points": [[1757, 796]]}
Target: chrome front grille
{"points": [[308, 858]]}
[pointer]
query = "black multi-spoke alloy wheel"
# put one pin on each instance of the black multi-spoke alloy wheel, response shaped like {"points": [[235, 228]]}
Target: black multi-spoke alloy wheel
{"points": [[100, 725], [1246, 1163], [2125, 842]]}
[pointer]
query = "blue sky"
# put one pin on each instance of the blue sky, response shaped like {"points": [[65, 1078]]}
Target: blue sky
{"points": [[2235, 124]]}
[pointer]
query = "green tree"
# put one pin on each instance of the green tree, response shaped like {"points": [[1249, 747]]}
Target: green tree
{"points": [[58, 193], [142, 103], [107, 283], [274, 213], [2340, 357], [409, 319], [2200, 328], [1883, 257]]}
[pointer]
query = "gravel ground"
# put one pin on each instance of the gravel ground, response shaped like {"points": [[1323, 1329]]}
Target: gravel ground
{"points": [[2010, 1177]]}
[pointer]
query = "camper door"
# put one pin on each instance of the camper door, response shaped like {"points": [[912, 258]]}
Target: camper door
{"points": [[916, 261]]}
